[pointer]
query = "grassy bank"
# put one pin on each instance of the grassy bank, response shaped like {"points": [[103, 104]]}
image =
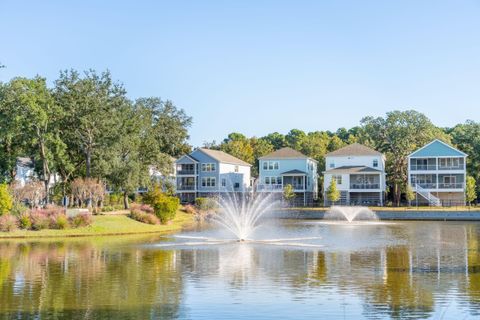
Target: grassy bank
{"points": [[104, 225]]}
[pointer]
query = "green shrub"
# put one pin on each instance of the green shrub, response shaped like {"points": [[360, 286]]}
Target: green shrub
{"points": [[24, 221], [59, 222], [18, 209], [165, 207], [6, 201], [205, 204]]}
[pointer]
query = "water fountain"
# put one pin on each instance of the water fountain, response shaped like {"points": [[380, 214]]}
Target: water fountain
{"points": [[350, 213], [241, 216]]}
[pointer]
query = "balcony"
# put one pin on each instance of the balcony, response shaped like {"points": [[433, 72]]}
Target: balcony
{"points": [[423, 167], [269, 187], [426, 185], [450, 186], [457, 167], [185, 187], [364, 186], [458, 186], [278, 187], [185, 172]]}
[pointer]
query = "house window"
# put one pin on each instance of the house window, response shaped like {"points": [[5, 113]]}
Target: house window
{"points": [[375, 163], [208, 182], [224, 182], [332, 165], [237, 185], [337, 178], [273, 180], [236, 168], [208, 167], [271, 165]]}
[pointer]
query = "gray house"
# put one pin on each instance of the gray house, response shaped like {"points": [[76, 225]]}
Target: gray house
{"points": [[287, 166], [206, 173]]}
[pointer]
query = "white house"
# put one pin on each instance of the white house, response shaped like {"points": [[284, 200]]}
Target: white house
{"points": [[205, 173], [24, 171], [288, 166], [359, 172], [437, 173]]}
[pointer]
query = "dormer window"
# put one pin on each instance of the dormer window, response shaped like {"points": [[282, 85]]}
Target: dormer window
{"points": [[375, 163]]}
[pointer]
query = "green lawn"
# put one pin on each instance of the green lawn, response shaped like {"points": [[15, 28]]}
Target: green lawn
{"points": [[108, 225]]}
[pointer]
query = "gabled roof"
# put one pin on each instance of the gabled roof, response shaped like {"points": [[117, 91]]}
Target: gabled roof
{"points": [[224, 157], [354, 149], [352, 169], [186, 156], [437, 148], [294, 172], [285, 153]]}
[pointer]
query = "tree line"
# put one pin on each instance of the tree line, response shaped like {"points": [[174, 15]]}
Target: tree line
{"points": [[397, 134], [85, 126]]}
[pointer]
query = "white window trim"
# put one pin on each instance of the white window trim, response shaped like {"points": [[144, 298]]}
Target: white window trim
{"points": [[209, 167], [209, 180], [266, 165]]}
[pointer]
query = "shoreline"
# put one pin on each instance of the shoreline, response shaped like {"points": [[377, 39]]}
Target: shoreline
{"points": [[432, 214], [106, 225]]}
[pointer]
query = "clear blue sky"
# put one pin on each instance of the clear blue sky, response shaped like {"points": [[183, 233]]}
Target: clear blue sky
{"points": [[261, 66]]}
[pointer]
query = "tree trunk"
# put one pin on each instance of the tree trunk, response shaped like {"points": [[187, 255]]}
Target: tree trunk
{"points": [[88, 161], [125, 200], [397, 194]]}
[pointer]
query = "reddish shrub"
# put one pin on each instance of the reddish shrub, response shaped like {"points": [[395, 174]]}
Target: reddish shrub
{"points": [[189, 209], [144, 217], [81, 220], [8, 223], [40, 220]]}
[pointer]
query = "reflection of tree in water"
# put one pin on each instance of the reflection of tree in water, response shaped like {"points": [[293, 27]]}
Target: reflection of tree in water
{"points": [[83, 280], [399, 295], [473, 260]]}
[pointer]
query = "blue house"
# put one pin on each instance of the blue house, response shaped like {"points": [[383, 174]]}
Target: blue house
{"points": [[437, 173], [288, 166], [210, 173]]}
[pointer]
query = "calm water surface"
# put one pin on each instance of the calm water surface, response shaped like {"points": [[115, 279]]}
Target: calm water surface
{"points": [[398, 270]]}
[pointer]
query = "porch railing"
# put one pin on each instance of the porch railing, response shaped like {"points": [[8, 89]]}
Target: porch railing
{"points": [[450, 186], [269, 187], [182, 172], [185, 187], [418, 167], [364, 186]]}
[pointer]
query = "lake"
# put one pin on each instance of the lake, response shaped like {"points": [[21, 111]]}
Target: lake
{"points": [[396, 270]]}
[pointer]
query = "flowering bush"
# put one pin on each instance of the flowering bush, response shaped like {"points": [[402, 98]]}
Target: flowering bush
{"points": [[8, 223], [143, 213], [144, 217], [81, 220], [190, 209], [40, 220]]}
